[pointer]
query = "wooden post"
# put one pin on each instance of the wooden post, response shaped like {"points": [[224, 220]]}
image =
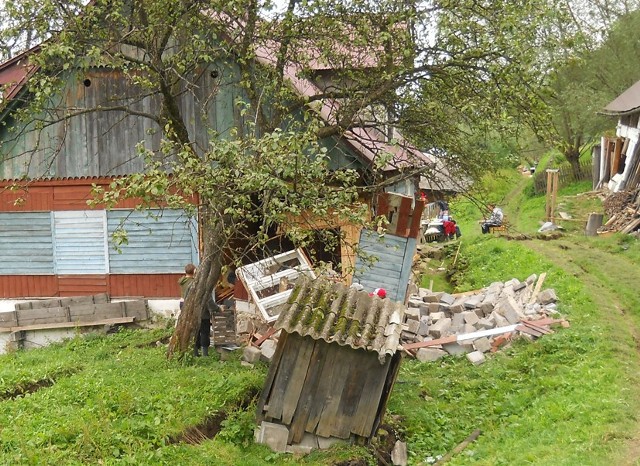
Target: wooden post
{"points": [[552, 192]]}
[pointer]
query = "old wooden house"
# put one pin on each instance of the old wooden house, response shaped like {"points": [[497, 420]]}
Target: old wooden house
{"points": [[334, 367], [617, 163], [53, 244]]}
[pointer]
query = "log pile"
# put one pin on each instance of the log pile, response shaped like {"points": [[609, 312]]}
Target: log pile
{"points": [[623, 210]]}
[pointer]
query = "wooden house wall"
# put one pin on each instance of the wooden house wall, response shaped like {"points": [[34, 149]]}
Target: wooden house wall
{"points": [[103, 143], [392, 269], [69, 252], [31, 286], [324, 389]]}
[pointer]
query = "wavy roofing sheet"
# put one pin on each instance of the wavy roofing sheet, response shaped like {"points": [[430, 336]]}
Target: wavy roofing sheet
{"points": [[335, 313]]}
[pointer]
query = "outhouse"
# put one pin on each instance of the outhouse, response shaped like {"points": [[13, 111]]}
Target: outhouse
{"points": [[334, 367]]}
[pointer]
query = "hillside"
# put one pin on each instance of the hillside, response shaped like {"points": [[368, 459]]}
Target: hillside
{"points": [[568, 398]]}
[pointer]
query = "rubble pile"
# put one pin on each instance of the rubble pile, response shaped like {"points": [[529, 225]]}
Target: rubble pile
{"points": [[623, 210], [474, 323]]}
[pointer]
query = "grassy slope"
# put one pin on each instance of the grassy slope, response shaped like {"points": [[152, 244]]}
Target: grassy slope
{"points": [[569, 398]]}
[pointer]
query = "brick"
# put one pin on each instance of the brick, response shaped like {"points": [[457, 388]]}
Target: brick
{"points": [[268, 349], [423, 329], [457, 308], [414, 303], [474, 301]]}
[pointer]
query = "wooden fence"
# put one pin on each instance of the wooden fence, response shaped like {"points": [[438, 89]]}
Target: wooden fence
{"points": [[565, 176]]}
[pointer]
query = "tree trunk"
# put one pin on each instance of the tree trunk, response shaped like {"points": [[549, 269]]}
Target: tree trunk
{"points": [[573, 157], [204, 283]]}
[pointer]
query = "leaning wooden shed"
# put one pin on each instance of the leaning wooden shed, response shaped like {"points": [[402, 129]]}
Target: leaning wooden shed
{"points": [[334, 367]]}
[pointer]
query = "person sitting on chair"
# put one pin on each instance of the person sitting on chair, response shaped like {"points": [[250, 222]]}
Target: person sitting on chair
{"points": [[495, 220]]}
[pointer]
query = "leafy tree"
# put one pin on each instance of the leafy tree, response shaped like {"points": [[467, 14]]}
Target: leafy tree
{"points": [[438, 71]]}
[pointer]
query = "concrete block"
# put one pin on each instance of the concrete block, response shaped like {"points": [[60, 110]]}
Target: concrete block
{"points": [[474, 301], [412, 313], [476, 358], [251, 354], [468, 328], [414, 303], [440, 328], [436, 316], [325, 443], [519, 286], [547, 296], [399, 455], [413, 326], [457, 308], [446, 298], [423, 329], [495, 288], [498, 320], [434, 307], [429, 354], [424, 310], [457, 321], [444, 308], [274, 436], [244, 326], [485, 323], [531, 279], [268, 349], [299, 450], [430, 298], [470, 317], [482, 344], [458, 348]]}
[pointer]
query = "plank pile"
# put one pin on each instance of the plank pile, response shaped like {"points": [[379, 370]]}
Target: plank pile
{"points": [[480, 321], [623, 210]]}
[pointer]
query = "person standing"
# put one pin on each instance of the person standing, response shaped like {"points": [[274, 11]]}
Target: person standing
{"points": [[186, 282], [495, 220]]}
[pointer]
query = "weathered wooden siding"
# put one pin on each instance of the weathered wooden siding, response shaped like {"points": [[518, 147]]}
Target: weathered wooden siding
{"points": [[26, 245], [393, 267], [324, 389], [159, 241], [33, 286], [103, 143], [80, 242]]}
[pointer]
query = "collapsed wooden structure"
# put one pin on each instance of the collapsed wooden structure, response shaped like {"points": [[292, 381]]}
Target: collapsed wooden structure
{"points": [[335, 364]]}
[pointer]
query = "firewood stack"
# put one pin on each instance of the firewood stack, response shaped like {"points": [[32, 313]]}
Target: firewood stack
{"points": [[623, 210]]}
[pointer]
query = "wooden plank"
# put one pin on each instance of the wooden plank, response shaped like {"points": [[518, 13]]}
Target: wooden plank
{"points": [[416, 218], [367, 410], [425, 344], [267, 388], [8, 319], [351, 393], [42, 316], [307, 395], [285, 373], [403, 216], [297, 379], [119, 320], [324, 387], [330, 422], [537, 288]]}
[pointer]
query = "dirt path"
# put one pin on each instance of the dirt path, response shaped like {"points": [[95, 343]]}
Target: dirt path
{"points": [[612, 281]]}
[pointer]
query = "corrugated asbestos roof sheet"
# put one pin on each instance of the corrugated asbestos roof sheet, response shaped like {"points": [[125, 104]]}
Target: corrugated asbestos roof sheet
{"points": [[335, 313], [626, 102]]}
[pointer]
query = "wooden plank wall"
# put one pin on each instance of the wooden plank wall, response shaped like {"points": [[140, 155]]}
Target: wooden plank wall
{"points": [[33, 286], [325, 389]]}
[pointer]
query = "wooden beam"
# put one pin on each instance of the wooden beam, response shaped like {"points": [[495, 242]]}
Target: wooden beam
{"points": [[119, 320]]}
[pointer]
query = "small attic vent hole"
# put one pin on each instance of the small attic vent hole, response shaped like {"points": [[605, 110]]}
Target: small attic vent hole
{"points": [[86, 82]]}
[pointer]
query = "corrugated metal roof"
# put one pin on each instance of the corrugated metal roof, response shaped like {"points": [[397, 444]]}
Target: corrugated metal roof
{"points": [[335, 313], [627, 102]]}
